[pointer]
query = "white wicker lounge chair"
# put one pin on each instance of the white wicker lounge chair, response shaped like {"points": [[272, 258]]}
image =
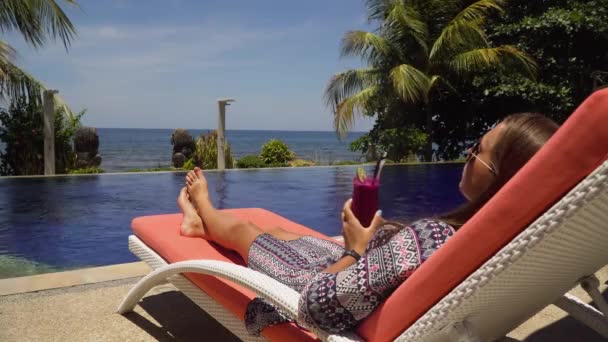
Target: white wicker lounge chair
{"points": [[562, 247], [537, 267]]}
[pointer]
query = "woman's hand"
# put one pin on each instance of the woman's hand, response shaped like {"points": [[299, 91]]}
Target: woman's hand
{"points": [[357, 237]]}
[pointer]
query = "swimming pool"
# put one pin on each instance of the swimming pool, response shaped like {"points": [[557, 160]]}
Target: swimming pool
{"points": [[59, 223]]}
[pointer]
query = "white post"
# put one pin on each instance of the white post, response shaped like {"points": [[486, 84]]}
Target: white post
{"points": [[48, 104], [221, 130]]}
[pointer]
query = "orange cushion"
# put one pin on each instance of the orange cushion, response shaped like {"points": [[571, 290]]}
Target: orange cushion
{"points": [[161, 233], [576, 149]]}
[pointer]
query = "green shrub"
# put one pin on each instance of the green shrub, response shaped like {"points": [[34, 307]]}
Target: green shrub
{"points": [[301, 163], [250, 161], [205, 154], [86, 171], [22, 133], [402, 143], [276, 152], [346, 162], [189, 164]]}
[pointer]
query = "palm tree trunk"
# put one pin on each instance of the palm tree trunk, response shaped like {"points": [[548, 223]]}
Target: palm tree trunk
{"points": [[428, 155]]}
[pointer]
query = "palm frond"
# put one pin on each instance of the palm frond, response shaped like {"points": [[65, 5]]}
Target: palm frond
{"points": [[436, 80], [408, 21], [367, 45], [378, 9], [479, 10], [411, 84], [348, 83], [15, 83], [37, 20], [7, 54], [54, 20], [344, 115], [456, 37], [505, 57], [464, 31]]}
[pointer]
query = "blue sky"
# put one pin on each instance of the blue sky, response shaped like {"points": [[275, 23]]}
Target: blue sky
{"points": [[164, 63]]}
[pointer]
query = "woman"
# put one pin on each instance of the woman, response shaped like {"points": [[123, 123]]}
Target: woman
{"points": [[340, 286]]}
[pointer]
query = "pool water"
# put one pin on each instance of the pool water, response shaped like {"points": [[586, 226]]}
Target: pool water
{"points": [[60, 223]]}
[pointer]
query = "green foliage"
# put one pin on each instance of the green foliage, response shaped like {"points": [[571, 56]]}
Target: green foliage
{"points": [[189, 164], [402, 144], [38, 22], [346, 162], [416, 54], [275, 152], [302, 163], [250, 161], [86, 171], [205, 154], [568, 40], [22, 132], [421, 45]]}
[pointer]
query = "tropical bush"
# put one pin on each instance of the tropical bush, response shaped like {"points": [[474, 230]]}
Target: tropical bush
{"points": [[205, 154], [399, 143], [345, 162], [21, 130], [276, 153], [86, 171], [189, 164], [568, 38], [419, 52], [302, 163], [250, 161], [183, 147]]}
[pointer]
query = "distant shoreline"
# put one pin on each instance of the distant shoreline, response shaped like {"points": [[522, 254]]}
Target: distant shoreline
{"points": [[228, 130]]}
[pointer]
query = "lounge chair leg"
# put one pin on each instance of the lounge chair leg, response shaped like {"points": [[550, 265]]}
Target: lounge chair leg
{"points": [[139, 290], [464, 332], [584, 312], [591, 285]]}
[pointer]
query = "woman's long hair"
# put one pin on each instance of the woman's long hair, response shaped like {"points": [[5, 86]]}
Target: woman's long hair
{"points": [[521, 137]]}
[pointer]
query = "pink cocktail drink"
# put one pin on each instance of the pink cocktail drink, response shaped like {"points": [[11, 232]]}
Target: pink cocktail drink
{"points": [[365, 199]]}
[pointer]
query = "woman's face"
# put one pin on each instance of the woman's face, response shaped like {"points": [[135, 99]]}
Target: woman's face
{"points": [[476, 177]]}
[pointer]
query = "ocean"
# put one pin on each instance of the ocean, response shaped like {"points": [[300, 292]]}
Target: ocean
{"points": [[123, 149]]}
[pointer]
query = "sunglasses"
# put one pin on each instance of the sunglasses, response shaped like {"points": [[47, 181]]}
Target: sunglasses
{"points": [[473, 151]]}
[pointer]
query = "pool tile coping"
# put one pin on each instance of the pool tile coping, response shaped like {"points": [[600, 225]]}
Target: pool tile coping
{"points": [[47, 281]]}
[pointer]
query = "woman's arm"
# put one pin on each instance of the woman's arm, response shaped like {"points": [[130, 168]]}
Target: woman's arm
{"points": [[340, 265], [336, 302], [356, 237]]}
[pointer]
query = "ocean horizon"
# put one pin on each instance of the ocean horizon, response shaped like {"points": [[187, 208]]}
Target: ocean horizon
{"points": [[229, 130], [124, 149]]}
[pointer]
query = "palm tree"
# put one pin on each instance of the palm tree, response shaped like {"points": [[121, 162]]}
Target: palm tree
{"points": [[38, 21], [419, 47]]}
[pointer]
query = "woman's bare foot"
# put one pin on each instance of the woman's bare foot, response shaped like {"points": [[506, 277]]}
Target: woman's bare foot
{"points": [[198, 190], [192, 225]]}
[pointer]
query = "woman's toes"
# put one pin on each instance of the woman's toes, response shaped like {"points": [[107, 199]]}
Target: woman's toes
{"points": [[181, 198]]}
